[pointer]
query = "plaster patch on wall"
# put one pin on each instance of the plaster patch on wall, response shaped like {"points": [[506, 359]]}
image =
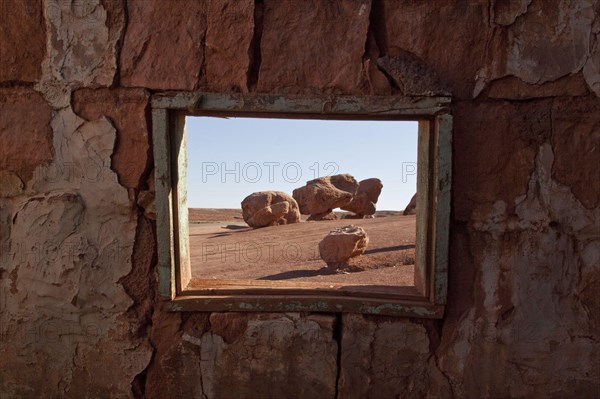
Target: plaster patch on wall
{"points": [[81, 45], [530, 328], [70, 242], [549, 41]]}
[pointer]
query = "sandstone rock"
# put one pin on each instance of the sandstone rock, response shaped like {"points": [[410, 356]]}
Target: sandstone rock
{"points": [[367, 194], [72, 242], [24, 130], [447, 40], [411, 208], [360, 205], [127, 110], [285, 356], [162, 48], [322, 216], [229, 33], [412, 75], [269, 208], [506, 12], [591, 70], [476, 179], [22, 40], [376, 81], [342, 244], [82, 46], [383, 358], [344, 182], [295, 58], [534, 50], [320, 196], [10, 184], [352, 216], [371, 187], [576, 136]]}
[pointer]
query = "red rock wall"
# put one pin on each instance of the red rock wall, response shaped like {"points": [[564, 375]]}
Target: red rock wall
{"points": [[80, 316]]}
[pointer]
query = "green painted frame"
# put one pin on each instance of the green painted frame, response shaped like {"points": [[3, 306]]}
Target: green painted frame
{"points": [[434, 180]]}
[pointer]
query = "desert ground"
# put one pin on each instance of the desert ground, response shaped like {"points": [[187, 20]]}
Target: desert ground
{"points": [[225, 251]]}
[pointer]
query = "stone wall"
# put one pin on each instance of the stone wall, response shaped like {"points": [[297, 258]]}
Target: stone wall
{"points": [[80, 315]]}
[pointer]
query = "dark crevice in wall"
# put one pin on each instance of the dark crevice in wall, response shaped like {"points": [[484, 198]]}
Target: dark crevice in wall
{"points": [[143, 185], [376, 45], [377, 26], [202, 81], [337, 336], [138, 385], [140, 284], [112, 17], [254, 51], [202, 387]]}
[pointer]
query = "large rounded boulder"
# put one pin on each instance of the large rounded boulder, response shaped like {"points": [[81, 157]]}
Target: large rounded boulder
{"points": [[320, 196], [367, 194], [269, 208]]}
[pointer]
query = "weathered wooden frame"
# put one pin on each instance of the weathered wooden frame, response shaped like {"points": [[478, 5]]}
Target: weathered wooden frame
{"points": [[433, 194]]}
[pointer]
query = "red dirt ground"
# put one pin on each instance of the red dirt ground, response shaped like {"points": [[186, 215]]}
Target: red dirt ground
{"points": [[223, 247]]}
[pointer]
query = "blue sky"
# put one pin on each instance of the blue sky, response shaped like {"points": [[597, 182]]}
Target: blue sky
{"points": [[229, 159]]}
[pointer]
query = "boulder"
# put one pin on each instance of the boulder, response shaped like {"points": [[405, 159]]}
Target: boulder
{"points": [[411, 208], [320, 196], [342, 244], [323, 216], [269, 208], [352, 216], [367, 194], [371, 187]]}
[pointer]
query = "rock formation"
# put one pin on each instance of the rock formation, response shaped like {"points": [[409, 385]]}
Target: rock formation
{"points": [[411, 208], [363, 203], [269, 208], [342, 244], [320, 196]]}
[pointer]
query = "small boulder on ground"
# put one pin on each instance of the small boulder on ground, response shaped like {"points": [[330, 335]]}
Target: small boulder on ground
{"points": [[367, 194], [269, 208], [411, 208], [320, 196], [342, 244]]}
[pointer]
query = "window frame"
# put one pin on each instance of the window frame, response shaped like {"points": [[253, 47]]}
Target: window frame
{"points": [[434, 175]]}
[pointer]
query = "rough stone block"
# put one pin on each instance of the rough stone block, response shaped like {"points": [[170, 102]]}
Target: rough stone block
{"points": [[163, 48], [22, 40], [448, 39], [229, 35], [493, 158], [383, 359], [269, 356], [25, 132], [576, 147], [313, 46]]}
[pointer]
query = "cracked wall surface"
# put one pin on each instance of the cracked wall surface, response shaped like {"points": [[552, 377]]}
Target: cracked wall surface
{"points": [[80, 315]]}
